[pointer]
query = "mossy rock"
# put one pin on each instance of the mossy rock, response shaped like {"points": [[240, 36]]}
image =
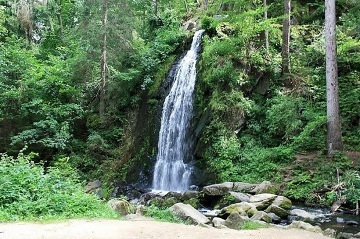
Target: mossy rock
{"points": [[157, 202], [194, 202]]}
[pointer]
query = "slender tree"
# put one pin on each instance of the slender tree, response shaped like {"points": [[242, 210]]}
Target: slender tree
{"points": [[266, 33], [103, 61], [155, 3], [285, 54], [334, 141]]}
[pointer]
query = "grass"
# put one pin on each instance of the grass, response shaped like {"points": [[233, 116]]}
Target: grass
{"points": [[251, 225]]}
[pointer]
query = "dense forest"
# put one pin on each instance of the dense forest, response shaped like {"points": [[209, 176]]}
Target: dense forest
{"points": [[83, 81]]}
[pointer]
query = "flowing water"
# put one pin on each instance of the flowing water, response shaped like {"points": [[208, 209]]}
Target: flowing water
{"points": [[173, 167]]}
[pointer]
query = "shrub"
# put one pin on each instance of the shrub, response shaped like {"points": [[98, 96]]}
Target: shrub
{"points": [[28, 192]]}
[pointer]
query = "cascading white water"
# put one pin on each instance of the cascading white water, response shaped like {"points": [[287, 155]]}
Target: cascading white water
{"points": [[173, 167]]}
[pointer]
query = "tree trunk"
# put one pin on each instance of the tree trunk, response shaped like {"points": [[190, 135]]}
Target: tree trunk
{"points": [[285, 54], [59, 16], [103, 62], [266, 33], [155, 2], [334, 141]]}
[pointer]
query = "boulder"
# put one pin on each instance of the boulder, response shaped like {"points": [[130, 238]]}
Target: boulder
{"points": [[274, 217], [218, 189], [218, 222], [240, 197], [282, 202], [189, 195], [282, 213], [330, 232], [261, 216], [262, 201], [305, 226], [95, 187], [140, 210], [243, 208], [156, 201], [243, 187], [122, 207], [344, 235], [187, 212], [194, 202], [265, 187], [234, 221], [190, 25], [302, 215], [262, 197]]}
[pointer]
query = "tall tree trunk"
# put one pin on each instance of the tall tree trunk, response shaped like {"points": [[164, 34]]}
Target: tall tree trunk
{"points": [[334, 141], [285, 54], [59, 16], [155, 3], [266, 33], [103, 62]]}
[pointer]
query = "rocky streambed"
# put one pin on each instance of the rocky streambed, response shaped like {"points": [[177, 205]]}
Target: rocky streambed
{"points": [[232, 204]]}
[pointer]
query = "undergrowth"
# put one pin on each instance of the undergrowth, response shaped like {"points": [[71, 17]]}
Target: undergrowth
{"points": [[163, 214], [28, 192]]}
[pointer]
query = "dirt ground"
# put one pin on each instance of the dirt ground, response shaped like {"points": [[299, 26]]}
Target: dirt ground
{"points": [[139, 229]]}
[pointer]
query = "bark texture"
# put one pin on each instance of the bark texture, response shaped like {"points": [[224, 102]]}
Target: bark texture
{"points": [[334, 142], [103, 61], [285, 53]]}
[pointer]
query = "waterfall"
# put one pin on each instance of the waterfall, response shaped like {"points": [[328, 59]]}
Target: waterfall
{"points": [[173, 167]]}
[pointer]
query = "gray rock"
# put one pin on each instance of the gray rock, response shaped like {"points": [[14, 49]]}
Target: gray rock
{"points": [[305, 226], [277, 210], [218, 189], [241, 197], [140, 210], [261, 216], [218, 222], [330, 232], [302, 215], [265, 187], [187, 212], [243, 187], [95, 187], [357, 235], [344, 235], [263, 197], [262, 201], [190, 25], [234, 221], [122, 207], [282, 202], [274, 217], [189, 195], [243, 208]]}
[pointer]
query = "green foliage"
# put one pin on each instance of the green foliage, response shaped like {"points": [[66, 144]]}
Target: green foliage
{"points": [[163, 215], [283, 117], [352, 185], [29, 193], [223, 158], [259, 164], [251, 225]]}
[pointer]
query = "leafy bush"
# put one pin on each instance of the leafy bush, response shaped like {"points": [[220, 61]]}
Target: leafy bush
{"points": [[352, 185], [28, 192], [258, 164]]}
